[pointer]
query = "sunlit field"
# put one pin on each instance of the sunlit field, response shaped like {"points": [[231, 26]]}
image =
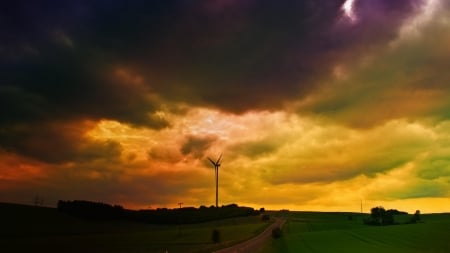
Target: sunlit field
{"points": [[346, 233], [31, 229]]}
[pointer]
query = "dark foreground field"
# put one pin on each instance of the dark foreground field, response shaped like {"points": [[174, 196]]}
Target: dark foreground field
{"points": [[40, 229], [310, 232]]}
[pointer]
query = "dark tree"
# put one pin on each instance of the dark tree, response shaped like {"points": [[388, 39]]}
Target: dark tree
{"points": [[379, 216], [376, 214], [416, 217], [185, 215], [396, 212]]}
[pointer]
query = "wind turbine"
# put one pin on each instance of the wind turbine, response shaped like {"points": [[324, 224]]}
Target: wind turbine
{"points": [[216, 172]]}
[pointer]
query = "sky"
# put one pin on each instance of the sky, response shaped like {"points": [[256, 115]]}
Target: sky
{"points": [[314, 105]]}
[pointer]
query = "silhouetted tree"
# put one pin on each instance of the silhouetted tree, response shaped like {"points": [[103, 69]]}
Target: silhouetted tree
{"points": [[185, 215], [230, 206], [416, 217], [396, 212], [376, 214], [379, 216]]}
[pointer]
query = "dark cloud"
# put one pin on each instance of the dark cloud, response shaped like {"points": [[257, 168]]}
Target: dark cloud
{"points": [[65, 60], [406, 80], [71, 72], [61, 85], [262, 51], [56, 143], [18, 105], [255, 149], [164, 154], [197, 145], [377, 22], [250, 57]]}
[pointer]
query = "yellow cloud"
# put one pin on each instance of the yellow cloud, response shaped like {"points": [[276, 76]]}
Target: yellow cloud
{"points": [[279, 160]]}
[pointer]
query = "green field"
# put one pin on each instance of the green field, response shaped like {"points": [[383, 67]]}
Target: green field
{"points": [[312, 232], [38, 229]]}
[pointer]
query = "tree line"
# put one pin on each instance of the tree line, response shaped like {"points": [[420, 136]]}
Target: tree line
{"points": [[186, 215], [381, 217]]}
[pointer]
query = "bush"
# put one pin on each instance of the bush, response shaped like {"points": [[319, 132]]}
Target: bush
{"points": [[276, 232], [416, 217], [215, 236], [265, 217]]}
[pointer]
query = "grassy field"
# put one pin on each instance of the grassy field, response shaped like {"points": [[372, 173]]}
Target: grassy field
{"points": [[38, 229], [335, 232]]}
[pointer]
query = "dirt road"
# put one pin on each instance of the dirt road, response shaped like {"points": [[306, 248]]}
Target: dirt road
{"points": [[254, 243]]}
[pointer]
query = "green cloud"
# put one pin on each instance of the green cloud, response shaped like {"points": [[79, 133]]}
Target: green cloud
{"points": [[420, 189], [364, 152]]}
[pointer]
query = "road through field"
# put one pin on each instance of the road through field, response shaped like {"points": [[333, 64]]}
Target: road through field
{"points": [[254, 243]]}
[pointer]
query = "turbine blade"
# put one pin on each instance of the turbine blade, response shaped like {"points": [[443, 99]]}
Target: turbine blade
{"points": [[211, 160], [218, 160]]}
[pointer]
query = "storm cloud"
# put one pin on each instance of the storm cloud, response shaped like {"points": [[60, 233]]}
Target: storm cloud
{"points": [[297, 95]]}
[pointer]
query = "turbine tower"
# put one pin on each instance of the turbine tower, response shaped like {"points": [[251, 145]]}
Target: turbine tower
{"points": [[216, 172]]}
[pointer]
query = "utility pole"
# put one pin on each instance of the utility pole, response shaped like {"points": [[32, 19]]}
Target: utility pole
{"points": [[179, 219], [38, 201]]}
